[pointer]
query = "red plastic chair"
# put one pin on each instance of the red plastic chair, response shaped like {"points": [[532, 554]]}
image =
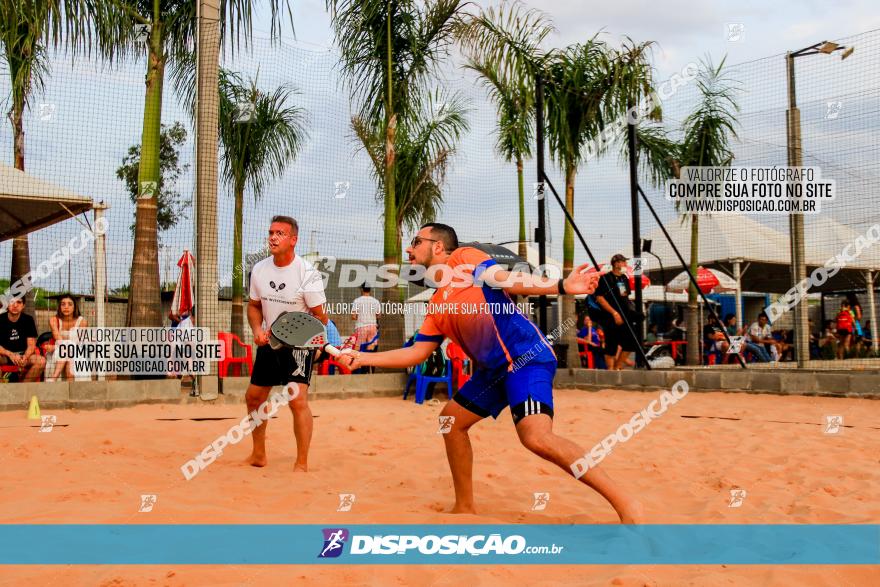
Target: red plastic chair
{"points": [[460, 361], [15, 369], [232, 361], [585, 355]]}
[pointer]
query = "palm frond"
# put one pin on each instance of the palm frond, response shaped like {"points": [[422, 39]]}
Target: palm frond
{"points": [[419, 39], [510, 36], [258, 150]]}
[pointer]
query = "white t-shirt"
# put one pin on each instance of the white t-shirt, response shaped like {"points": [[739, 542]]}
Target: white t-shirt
{"points": [[756, 332], [366, 308], [294, 288]]}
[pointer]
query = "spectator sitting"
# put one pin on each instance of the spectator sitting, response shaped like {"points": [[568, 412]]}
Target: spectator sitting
{"points": [[828, 341], [18, 342], [365, 312], [757, 350], [713, 337], [65, 321], [678, 331], [814, 342], [761, 337], [589, 337], [783, 344]]}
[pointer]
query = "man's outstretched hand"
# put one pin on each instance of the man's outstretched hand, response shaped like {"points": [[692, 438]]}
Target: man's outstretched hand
{"points": [[581, 281], [350, 360]]}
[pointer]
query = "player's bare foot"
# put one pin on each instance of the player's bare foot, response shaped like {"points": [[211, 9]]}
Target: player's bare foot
{"points": [[633, 512], [257, 460], [462, 509], [300, 468]]}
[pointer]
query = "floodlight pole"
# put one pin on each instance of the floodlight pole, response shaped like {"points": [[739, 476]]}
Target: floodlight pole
{"points": [[795, 220], [100, 269]]}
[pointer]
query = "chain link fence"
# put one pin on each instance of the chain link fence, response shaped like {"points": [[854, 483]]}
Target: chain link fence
{"points": [[83, 133]]}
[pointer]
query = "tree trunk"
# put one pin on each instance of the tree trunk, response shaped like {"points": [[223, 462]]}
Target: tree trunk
{"points": [[237, 315], [569, 313], [21, 257], [522, 248], [693, 319], [392, 322], [144, 302]]}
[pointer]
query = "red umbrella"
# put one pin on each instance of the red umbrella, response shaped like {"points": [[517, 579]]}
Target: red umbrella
{"points": [[708, 280], [632, 279], [182, 304]]}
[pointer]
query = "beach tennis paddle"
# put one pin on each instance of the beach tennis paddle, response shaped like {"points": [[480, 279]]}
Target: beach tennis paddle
{"points": [[300, 330]]}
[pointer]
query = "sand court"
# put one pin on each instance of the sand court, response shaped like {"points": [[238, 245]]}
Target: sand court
{"points": [[95, 466]]}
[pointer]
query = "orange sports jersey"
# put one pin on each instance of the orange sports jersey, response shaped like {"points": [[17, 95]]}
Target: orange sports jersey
{"points": [[483, 321]]}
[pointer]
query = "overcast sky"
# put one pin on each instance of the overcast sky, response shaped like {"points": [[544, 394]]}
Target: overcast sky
{"points": [[682, 29]]}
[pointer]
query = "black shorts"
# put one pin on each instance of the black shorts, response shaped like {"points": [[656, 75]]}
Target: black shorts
{"points": [[620, 336], [283, 366]]}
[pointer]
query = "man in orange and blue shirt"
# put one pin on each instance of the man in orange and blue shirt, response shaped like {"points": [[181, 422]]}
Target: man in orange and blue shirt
{"points": [[515, 364]]}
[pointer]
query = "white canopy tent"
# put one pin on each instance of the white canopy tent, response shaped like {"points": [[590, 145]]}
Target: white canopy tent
{"points": [[755, 255], [28, 204], [825, 238]]}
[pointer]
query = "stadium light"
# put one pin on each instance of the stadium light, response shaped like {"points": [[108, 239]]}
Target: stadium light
{"points": [[796, 221]]}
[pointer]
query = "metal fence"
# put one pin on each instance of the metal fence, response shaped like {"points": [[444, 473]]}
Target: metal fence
{"points": [[80, 129]]}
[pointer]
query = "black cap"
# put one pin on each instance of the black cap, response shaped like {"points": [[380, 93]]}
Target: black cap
{"points": [[617, 257]]}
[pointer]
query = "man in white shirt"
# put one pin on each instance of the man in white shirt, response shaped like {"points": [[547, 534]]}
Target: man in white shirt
{"points": [[282, 283], [364, 311], [761, 334]]}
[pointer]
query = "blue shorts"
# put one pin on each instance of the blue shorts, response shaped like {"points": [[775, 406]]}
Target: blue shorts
{"points": [[527, 390]]}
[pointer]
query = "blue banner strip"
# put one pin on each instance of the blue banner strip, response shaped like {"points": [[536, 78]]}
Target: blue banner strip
{"points": [[250, 544]]}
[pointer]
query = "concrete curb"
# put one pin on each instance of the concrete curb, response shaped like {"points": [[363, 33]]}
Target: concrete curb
{"points": [[95, 395], [92, 395], [864, 384]]}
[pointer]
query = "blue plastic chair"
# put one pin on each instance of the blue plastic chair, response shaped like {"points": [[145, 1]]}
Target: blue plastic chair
{"points": [[421, 380]]}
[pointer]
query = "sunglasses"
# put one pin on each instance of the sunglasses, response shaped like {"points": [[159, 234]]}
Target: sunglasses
{"points": [[416, 241]]}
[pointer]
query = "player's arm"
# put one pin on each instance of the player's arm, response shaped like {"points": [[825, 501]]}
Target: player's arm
{"points": [[603, 303], [396, 359], [319, 313], [519, 283], [255, 320]]}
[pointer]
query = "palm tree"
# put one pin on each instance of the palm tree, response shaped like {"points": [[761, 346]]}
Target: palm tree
{"points": [[589, 85], [424, 147], [166, 31], [707, 132], [510, 81], [390, 49], [23, 25], [255, 149]]}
